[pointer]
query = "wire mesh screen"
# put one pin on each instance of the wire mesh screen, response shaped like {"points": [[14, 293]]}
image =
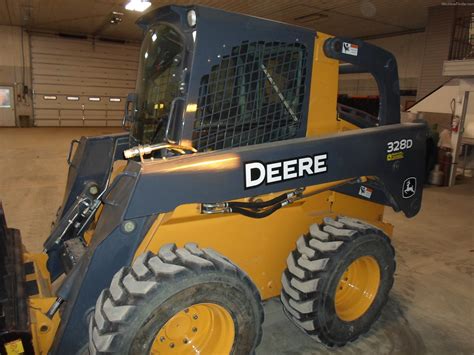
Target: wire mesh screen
{"points": [[254, 95], [462, 42]]}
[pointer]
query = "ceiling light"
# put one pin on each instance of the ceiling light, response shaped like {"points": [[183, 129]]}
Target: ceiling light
{"points": [[154, 37], [115, 18], [138, 5]]}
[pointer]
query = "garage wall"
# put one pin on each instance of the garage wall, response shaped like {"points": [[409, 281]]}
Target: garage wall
{"points": [[15, 67], [441, 23], [81, 82], [437, 45]]}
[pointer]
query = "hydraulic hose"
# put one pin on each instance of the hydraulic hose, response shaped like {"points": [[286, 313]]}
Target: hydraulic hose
{"points": [[253, 214], [262, 204], [277, 202]]}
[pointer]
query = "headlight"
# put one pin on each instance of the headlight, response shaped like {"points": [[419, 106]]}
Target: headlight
{"points": [[191, 18]]}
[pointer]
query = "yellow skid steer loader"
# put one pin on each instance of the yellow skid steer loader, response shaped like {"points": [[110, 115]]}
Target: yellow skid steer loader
{"points": [[240, 179]]}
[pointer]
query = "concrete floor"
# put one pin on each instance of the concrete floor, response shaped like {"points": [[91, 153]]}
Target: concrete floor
{"points": [[432, 303]]}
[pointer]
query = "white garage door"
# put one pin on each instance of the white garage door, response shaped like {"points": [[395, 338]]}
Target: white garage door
{"points": [[79, 82]]}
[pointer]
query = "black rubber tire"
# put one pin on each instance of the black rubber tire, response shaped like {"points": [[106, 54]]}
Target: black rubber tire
{"points": [[142, 298], [314, 269]]}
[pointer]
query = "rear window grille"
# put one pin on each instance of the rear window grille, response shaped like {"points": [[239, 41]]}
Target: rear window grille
{"points": [[254, 95]]}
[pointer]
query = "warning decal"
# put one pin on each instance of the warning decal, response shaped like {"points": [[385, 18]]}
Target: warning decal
{"points": [[14, 347], [350, 48], [365, 191]]}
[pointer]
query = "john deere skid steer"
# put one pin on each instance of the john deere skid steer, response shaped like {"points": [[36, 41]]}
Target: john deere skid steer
{"points": [[240, 179]]}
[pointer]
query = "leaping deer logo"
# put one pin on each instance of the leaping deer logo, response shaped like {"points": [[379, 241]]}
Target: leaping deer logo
{"points": [[409, 187]]}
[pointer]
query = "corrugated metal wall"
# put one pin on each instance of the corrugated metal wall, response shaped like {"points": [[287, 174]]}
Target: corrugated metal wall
{"points": [[79, 82], [439, 31], [438, 40]]}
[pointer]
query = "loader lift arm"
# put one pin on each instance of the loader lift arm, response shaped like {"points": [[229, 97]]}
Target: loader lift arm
{"points": [[91, 166]]}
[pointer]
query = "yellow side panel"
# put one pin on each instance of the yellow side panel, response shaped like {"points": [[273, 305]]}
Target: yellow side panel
{"points": [[258, 246], [323, 94], [43, 329]]}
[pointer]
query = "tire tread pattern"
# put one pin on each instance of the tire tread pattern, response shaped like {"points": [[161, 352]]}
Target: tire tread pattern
{"points": [[131, 286], [306, 269]]}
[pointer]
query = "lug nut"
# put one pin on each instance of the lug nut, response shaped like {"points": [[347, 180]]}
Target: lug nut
{"points": [[185, 341], [172, 345], [162, 339], [186, 310], [195, 329], [195, 317]]}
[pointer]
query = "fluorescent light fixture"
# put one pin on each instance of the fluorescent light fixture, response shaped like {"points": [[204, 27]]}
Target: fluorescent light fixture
{"points": [[72, 98], [115, 99], [137, 5], [94, 98]]}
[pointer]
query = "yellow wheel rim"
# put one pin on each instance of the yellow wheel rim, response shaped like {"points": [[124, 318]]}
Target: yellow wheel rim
{"points": [[204, 328], [357, 288]]}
